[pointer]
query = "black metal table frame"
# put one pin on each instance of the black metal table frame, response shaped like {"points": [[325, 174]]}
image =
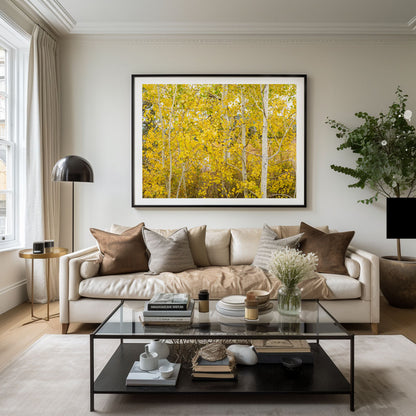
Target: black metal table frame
{"points": [[347, 336]]}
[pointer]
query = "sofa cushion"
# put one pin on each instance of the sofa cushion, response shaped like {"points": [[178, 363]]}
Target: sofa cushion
{"points": [[269, 243], [168, 254], [196, 236], [343, 287], [330, 248], [218, 247], [243, 245], [121, 253]]}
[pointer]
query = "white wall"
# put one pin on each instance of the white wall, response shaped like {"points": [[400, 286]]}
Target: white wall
{"points": [[344, 76]]}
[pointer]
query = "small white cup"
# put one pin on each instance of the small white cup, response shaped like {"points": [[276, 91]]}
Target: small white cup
{"points": [[166, 371], [149, 362]]}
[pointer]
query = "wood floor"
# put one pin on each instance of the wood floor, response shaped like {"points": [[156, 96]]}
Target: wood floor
{"points": [[15, 337]]}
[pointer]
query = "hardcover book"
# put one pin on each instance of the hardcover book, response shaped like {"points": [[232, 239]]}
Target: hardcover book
{"points": [[281, 345], [138, 377], [214, 376], [220, 366], [169, 301], [169, 312]]}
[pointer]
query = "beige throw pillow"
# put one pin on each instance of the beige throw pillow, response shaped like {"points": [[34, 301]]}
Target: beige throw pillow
{"points": [[168, 254], [122, 253]]}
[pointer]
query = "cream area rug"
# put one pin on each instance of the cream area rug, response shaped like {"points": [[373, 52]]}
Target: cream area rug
{"points": [[52, 378]]}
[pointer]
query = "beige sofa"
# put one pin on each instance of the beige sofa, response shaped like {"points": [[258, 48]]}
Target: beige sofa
{"points": [[354, 297]]}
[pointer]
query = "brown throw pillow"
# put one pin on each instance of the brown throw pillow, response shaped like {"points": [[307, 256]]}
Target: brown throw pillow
{"points": [[330, 248], [122, 253]]}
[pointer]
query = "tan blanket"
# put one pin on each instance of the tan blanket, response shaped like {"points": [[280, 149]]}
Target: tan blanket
{"points": [[237, 280]]}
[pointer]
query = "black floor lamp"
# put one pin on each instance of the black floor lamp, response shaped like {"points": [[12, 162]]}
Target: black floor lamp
{"points": [[72, 169]]}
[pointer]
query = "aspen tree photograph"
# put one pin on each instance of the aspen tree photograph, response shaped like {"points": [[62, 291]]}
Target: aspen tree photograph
{"points": [[218, 140]]}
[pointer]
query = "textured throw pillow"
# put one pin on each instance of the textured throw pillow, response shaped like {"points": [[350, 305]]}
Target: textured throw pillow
{"points": [[122, 253], [269, 243], [330, 248], [168, 254]]}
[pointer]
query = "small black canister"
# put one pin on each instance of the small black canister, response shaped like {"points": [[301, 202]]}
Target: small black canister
{"points": [[203, 300]]}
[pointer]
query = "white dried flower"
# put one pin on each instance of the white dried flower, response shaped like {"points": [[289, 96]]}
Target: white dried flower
{"points": [[407, 115], [384, 143], [292, 266]]}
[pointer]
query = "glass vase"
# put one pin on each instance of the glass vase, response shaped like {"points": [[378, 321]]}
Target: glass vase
{"points": [[289, 300]]}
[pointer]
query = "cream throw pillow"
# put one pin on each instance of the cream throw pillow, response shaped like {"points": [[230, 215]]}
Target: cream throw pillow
{"points": [[218, 247], [89, 268], [168, 254]]}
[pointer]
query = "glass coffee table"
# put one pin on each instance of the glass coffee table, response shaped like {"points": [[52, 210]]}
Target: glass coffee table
{"points": [[315, 323]]}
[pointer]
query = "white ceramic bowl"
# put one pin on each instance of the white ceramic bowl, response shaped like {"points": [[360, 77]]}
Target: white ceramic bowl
{"points": [[166, 371]]}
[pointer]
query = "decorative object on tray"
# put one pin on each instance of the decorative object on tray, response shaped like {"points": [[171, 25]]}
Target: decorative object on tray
{"points": [[251, 309], [213, 362], [157, 377], [161, 348], [235, 306], [243, 354], [148, 360], [291, 266], [203, 297], [275, 350]]}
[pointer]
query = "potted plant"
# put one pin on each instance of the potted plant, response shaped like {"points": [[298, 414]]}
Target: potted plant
{"points": [[386, 164]]}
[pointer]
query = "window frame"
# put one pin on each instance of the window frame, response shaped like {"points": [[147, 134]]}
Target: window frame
{"points": [[17, 52]]}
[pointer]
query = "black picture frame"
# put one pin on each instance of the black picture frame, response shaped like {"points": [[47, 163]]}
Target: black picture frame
{"points": [[141, 84]]}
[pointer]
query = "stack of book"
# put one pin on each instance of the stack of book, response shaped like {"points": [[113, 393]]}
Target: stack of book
{"points": [[214, 370], [168, 309], [271, 351]]}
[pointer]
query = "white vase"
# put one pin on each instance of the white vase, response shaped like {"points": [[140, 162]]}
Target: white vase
{"points": [[244, 354], [160, 347]]}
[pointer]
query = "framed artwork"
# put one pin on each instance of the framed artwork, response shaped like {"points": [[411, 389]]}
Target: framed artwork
{"points": [[219, 140]]}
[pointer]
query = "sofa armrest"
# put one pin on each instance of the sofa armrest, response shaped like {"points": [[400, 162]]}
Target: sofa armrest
{"points": [[369, 278], [69, 278]]}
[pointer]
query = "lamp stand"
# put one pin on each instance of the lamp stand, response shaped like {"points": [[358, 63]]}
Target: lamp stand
{"points": [[73, 215]]}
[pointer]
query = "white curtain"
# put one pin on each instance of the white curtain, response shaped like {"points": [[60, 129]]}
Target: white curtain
{"points": [[43, 205]]}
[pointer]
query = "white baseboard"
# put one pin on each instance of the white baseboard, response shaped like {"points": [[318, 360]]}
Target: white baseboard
{"points": [[12, 295]]}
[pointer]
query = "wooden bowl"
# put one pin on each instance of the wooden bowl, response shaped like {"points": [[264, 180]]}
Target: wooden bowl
{"points": [[262, 295]]}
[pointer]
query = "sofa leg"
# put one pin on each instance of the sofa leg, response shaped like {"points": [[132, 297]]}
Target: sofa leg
{"points": [[65, 328], [374, 328]]}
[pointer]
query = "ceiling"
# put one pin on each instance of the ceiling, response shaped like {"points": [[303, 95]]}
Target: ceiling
{"points": [[227, 17]]}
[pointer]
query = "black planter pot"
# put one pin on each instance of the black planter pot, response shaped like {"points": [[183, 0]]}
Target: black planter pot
{"points": [[398, 281]]}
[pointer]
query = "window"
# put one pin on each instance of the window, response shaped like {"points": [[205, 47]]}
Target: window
{"points": [[13, 71]]}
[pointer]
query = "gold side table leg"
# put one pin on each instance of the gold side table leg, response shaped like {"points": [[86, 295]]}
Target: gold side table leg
{"points": [[47, 289], [31, 282]]}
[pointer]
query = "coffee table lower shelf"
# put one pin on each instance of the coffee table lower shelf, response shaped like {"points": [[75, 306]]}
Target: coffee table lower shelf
{"points": [[323, 377]]}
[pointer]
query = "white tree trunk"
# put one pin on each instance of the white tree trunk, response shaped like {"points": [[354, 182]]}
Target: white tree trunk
{"points": [[264, 142], [243, 143]]}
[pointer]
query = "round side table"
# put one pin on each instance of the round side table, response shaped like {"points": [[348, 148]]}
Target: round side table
{"points": [[53, 253]]}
